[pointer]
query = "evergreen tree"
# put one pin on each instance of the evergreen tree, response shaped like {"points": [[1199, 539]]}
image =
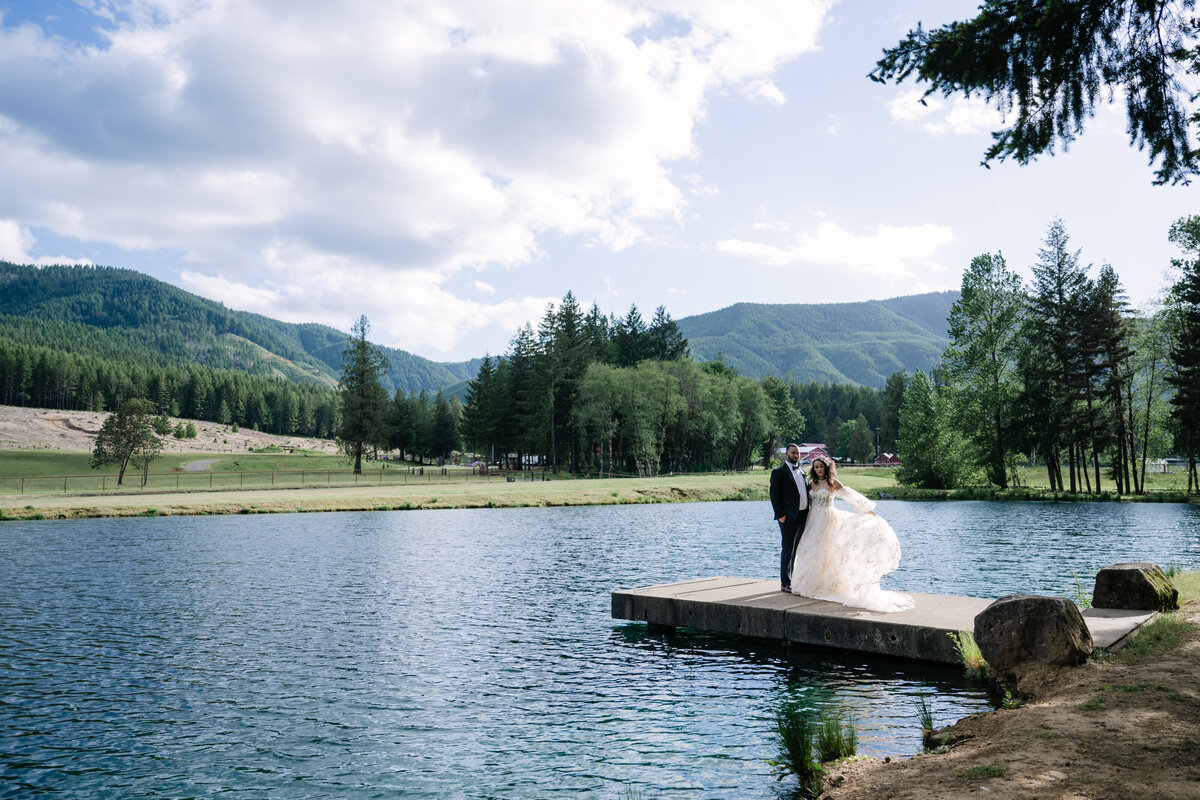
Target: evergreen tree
{"points": [[445, 428], [862, 445], [1051, 362], [1108, 330], [363, 401], [1185, 354], [666, 343], [479, 421], [1046, 65], [889, 420], [632, 339]]}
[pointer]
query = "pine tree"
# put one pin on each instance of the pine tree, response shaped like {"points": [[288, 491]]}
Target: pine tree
{"points": [[1185, 354], [1051, 361], [363, 401], [665, 339]]}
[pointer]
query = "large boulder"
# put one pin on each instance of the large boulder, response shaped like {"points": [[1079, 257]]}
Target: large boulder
{"points": [[1023, 630], [1136, 585]]}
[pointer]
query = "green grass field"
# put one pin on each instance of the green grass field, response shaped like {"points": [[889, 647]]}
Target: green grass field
{"points": [[46, 471]]}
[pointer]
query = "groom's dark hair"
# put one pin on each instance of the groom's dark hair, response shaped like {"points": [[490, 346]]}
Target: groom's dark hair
{"points": [[790, 445]]}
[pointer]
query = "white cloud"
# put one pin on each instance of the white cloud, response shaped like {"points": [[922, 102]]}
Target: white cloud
{"points": [[410, 307], [486, 288], [383, 139], [889, 252], [16, 242], [960, 116]]}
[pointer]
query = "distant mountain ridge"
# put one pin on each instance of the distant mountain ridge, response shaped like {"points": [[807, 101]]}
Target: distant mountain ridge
{"points": [[114, 312], [859, 343], [117, 311]]}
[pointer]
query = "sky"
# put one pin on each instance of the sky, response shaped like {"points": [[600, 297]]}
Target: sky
{"points": [[449, 168]]}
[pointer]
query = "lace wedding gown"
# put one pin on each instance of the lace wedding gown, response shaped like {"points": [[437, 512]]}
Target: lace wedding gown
{"points": [[842, 556]]}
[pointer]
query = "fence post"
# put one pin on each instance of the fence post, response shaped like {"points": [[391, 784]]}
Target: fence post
{"points": [[210, 477], [272, 477], [241, 479], [176, 480], [22, 486], [64, 484]]}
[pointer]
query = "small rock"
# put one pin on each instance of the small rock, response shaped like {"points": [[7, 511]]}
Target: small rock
{"points": [[1058, 776], [1135, 585], [1022, 630]]}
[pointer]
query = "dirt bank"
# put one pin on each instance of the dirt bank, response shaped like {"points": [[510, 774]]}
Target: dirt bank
{"points": [[1106, 730]]}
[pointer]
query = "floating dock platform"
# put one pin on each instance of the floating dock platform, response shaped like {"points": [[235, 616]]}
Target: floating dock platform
{"points": [[748, 607]]}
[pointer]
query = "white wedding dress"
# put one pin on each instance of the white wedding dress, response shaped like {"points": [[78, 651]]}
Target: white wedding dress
{"points": [[842, 556]]}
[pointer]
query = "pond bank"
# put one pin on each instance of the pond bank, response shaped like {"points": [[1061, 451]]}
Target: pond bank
{"points": [[609, 491], [1119, 727]]}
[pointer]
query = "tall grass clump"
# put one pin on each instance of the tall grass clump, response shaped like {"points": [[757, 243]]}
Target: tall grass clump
{"points": [[968, 652], [925, 717], [797, 752], [836, 737]]}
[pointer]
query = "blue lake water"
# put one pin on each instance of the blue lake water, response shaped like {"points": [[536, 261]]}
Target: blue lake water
{"points": [[467, 654]]}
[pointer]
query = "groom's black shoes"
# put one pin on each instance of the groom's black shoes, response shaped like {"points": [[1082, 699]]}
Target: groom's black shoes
{"points": [[785, 588]]}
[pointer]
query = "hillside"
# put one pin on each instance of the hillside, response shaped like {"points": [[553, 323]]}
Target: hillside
{"points": [[118, 313], [858, 343]]}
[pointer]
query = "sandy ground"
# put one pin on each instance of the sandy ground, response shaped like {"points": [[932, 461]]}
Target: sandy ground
{"points": [[1102, 730], [40, 428]]}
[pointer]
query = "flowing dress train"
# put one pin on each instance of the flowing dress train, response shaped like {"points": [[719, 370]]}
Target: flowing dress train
{"points": [[842, 555]]}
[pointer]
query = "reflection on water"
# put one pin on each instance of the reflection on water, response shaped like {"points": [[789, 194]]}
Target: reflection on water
{"points": [[466, 653]]}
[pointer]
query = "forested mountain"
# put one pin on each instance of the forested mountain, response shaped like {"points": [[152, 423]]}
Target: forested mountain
{"points": [[857, 343], [123, 314]]}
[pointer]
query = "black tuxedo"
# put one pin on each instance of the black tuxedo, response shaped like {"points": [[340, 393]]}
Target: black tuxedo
{"points": [[785, 502]]}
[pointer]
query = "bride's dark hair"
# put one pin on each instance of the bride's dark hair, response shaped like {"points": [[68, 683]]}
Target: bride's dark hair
{"points": [[830, 469]]}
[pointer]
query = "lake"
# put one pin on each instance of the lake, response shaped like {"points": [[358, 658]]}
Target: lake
{"points": [[470, 653]]}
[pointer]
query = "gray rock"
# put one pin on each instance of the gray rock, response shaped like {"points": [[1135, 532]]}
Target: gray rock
{"points": [[1136, 585], [1023, 630]]}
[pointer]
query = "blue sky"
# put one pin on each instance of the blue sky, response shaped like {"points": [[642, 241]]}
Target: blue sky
{"points": [[448, 169]]}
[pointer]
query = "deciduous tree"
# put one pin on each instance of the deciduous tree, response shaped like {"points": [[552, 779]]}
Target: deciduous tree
{"points": [[128, 436]]}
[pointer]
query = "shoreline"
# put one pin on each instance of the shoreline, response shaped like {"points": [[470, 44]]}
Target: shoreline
{"points": [[1117, 726], [589, 492], [521, 494]]}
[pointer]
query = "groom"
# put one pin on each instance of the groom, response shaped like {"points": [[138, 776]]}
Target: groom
{"points": [[789, 500]]}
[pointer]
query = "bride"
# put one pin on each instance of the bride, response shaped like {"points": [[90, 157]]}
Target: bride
{"points": [[841, 556]]}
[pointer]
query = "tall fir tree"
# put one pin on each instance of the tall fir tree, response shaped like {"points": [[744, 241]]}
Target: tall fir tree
{"points": [[1185, 354], [363, 401]]}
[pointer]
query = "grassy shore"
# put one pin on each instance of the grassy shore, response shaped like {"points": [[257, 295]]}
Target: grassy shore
{"points": [[609, 491]]}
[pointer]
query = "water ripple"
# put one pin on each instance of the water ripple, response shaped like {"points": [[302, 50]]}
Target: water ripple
{"points": [[466, 654]]}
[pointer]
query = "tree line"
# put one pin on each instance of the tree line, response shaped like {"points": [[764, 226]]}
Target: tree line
{"points": [[1063, 372], [593, 394], [587, 393]]}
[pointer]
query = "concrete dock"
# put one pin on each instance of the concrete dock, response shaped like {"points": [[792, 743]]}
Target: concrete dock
{"points": [[749, 607]]}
